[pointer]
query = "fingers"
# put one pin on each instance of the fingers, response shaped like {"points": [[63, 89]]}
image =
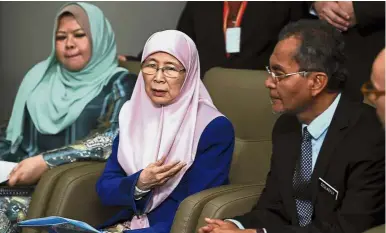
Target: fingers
{"points": [[154, 175], [162, 178], [333, 23], [336, 20], [160, 161], [215, 221], [205, 229], [14, 178], [335, 16], [172, 171], [343, 15], [166, 167]]}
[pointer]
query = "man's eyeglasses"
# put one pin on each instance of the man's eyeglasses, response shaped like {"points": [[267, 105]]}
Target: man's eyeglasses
{"points": [[168, 71], [368, 88], [278, 78]]}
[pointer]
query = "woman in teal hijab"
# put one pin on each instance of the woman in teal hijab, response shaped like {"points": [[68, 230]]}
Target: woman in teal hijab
{"points": [[77, 89]]}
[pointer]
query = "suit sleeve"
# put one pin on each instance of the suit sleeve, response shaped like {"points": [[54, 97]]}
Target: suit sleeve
{"points": [[115, 188], [370, 16], [186, 23], [213, 159]]}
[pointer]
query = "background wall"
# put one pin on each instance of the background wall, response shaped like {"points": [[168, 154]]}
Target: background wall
{"points": [[26, 30]]}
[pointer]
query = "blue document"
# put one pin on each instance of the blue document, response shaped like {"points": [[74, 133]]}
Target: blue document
{"points": [[56, 224]]}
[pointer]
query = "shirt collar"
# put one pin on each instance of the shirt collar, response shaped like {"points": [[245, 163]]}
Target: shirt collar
{"points": [[321, 123]]}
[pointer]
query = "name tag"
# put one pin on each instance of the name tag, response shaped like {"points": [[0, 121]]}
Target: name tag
{"points": [[233, 36], [326, 186]]}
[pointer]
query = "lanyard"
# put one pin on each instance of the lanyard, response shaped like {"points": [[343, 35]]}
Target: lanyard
{"points": [[239, 14], [238, 18]]}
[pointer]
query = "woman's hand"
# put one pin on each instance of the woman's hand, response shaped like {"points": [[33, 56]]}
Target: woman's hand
{"points": [[28, 171], [156, 174]]}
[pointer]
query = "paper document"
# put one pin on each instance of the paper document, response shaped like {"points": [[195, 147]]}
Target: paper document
{"points": [[5, 169], [56, 224]]}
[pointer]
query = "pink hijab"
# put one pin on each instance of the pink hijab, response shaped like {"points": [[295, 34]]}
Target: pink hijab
{"points": [[148, 132]]}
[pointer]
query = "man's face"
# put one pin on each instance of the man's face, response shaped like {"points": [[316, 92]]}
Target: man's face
{"points": [[378, 81], [290, 94]]}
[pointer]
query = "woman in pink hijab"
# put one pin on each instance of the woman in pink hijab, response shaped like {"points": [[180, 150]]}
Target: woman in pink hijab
{"points": [[172, 143]]}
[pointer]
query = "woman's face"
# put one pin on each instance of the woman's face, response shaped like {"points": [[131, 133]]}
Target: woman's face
{"points": [[163, 86], [72, 46]]}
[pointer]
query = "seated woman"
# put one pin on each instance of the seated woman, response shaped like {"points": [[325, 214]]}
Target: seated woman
{"points": [[172, 141], [79, 88]]}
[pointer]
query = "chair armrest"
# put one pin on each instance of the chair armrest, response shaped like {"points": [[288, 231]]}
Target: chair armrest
{"points": [[75, 196], [378, 229], [44, 189], [231, 204], [185, 220]]}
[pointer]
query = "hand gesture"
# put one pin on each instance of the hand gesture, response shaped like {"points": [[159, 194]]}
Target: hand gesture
{"points": [[348, 7], [156, 174], [333, 14], [220, 226], [28, 171]]}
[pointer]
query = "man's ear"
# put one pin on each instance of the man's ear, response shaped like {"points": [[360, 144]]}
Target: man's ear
{"points": [[319, 81]]}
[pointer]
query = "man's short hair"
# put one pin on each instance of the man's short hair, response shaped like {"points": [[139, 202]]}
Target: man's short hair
{"points": [[321, 49]]}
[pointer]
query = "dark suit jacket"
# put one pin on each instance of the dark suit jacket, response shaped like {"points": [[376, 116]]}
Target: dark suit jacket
{"points": [[260, 27], [363, 42], [352, 160]]}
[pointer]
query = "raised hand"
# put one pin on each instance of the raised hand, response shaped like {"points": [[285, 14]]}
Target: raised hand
{"points": [[156, 174]]}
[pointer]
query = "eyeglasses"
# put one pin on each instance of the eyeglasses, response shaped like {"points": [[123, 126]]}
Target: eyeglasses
{"points": [[168, 71], [368, 88], [278, 78]]}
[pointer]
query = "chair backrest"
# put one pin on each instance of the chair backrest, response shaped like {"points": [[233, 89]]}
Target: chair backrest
{"points": [[242, 97], [133, 66]]}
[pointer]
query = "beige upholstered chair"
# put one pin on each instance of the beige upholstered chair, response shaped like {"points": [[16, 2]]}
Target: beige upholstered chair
{"points": [[69, 190], [242, 97]]}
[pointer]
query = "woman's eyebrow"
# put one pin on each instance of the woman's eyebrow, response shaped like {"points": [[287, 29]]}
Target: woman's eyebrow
{"points": [[150, 59], [171, 63], [76, 30]]}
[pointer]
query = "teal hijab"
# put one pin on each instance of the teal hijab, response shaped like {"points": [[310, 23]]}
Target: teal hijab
{"points": [[54, 96]]}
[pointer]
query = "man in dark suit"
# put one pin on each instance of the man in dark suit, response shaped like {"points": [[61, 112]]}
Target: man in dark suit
{"points": [[327, 170], [375, 88], [260, 23], [363, 26]]}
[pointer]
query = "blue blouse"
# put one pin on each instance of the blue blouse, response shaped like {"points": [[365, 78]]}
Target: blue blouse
{"points": [[212, 162]]}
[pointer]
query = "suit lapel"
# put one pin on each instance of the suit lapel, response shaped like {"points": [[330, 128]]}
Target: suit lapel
{"points": [[336, 132], [291, 150]]}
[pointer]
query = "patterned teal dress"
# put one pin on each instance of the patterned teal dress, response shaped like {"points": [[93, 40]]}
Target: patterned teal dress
{"points": [[89, 138]]}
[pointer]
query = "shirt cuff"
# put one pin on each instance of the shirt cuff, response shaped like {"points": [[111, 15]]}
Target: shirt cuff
{"points": [[139, 193], [240, 226], [312, 10], [237, 223]]}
